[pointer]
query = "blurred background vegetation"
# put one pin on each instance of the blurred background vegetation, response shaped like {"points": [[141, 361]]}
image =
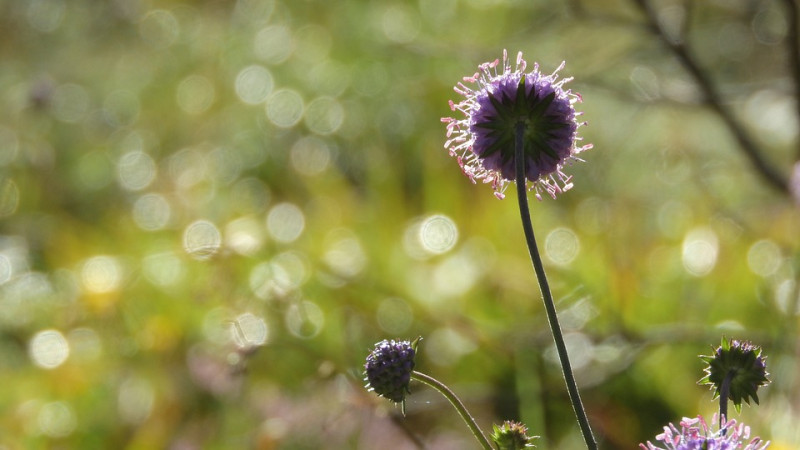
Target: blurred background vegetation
{"points": [[211, 210]]}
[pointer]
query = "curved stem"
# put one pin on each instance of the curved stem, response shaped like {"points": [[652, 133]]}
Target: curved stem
{"points": [[456, 402], [549, 305]]}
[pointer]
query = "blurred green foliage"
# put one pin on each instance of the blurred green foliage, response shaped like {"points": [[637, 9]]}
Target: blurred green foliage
{"points": [[210, 211]]}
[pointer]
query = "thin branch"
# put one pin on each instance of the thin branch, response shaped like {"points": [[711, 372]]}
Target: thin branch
{"points": [[686, 24], [400, 422], [713, 99], [579, 11], [793, 46]]}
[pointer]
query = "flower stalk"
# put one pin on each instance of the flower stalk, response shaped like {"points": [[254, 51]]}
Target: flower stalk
{"points": [[457, 404], [549, 305], [724, 393]]}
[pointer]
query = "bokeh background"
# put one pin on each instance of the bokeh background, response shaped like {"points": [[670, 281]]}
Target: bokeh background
{"points": [[211, 210]]}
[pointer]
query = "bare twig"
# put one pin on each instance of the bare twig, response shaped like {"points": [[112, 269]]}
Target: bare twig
{"points": [[686, 23], [412, 436], [713, 99], [579, 11], [793, 46]]}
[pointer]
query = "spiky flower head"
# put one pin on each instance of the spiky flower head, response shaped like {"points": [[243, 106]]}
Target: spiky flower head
{"points": [[388, 368], [512, 436], [695, 434], [741, 363], [496, 100]]}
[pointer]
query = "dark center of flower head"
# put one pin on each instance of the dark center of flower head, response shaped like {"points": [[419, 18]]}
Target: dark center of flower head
{"points": [[547, 117]]}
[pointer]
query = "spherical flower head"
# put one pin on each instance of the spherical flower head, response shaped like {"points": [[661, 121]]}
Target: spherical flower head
{"points": [[695, 434], [742, 363], [512, 436], [495, 102], [388, 368]]}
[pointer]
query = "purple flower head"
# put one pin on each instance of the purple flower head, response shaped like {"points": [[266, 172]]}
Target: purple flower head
{"points": [[695, 434], [500, 99], [388, 368]]}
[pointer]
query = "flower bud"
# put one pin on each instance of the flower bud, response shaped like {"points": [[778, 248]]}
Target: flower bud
{"points": [[741, 363], [388, 368], [512, 436]]}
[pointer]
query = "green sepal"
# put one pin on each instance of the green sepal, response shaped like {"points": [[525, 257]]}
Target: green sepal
{"points": [[745, 365]]}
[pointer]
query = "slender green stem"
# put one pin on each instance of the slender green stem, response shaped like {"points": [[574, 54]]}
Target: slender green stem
{"points": [[456, 402], [549, 305], [724, 393]]}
